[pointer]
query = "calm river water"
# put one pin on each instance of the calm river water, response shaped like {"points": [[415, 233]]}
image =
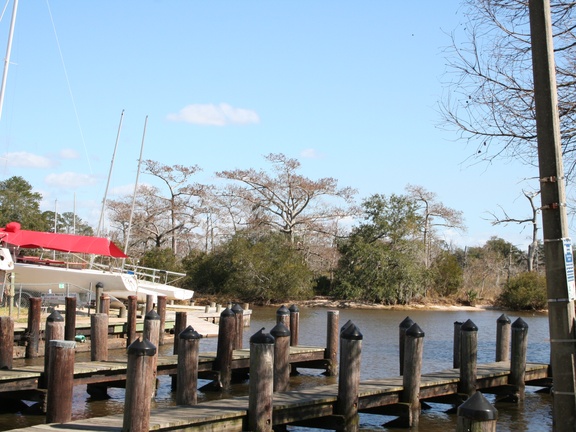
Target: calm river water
{"points": [[379, 359]]}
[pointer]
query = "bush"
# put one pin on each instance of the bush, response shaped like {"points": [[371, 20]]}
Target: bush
{"points": [[526, 291]]}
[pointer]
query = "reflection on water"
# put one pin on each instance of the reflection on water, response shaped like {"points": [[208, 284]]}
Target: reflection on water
{"points": [[379, 359]]}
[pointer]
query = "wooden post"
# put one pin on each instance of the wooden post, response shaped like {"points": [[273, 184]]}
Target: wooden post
{"points": [[518, 357], [99, 291], [99, 337], [404, 325], [33, 330], [477, 415], [349, 377], [468, 358], [225, 348], [239, 318], [152, 333], [261, 384], [131, 320], [456, 347], [281, 336], [149, 303], [414, 343], [6, 342], [60, 383], [70, 319], [283, 316], [54, 331], [161, 309], [105, 304], [502, 338], [139, 377], [187, 376], [294, 324], [332, 342], [180, 324]]}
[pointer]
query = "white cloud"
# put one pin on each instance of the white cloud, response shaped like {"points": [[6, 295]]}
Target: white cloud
{"points": [[27, 160], [69, 154], [310, 153], [214, 115], [70, 180]]}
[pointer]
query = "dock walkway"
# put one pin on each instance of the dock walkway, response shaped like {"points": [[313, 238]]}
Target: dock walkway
{"points": [[298, 407]]}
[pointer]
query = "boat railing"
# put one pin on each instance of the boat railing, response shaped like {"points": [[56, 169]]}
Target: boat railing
{"points": [[166, 277]]}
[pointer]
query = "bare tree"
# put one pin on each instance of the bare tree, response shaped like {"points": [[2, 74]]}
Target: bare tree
{"points": [[288, 201], [434, 214], [490, 96], [532, 257]]}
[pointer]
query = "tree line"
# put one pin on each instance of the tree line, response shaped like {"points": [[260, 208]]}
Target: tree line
{"points": [[276, 235]]}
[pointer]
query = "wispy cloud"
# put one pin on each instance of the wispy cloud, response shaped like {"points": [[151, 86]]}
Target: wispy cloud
{"points": [[214, 115], [310, 153], [70, 180], [27, 160], [69, 154]]}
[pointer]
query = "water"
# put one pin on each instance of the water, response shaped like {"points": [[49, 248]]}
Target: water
{"points": [[379, 359]]}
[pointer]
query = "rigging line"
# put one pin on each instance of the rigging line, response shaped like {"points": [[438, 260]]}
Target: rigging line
{"points": [[69, 86], [4, 10]]}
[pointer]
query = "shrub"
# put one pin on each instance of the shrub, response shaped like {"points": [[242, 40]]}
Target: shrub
{"points": [[526, 291]]}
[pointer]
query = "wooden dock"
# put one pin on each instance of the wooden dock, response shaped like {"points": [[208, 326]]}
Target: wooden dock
{"points": [[315, 406]]}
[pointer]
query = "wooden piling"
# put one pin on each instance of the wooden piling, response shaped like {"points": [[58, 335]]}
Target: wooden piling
{"points": [[225, 348], [139, 377], [332, 342], [414, 343], [349, 377], [294, 324], [239, 319], [281, 336], [187, 376], [477, 415], [404, 325], [149, 303], [152, 333], [54, 330], [502, 338], [518, 357], [131, 320], [261, 385], [468, 358], [105, 304], [6, 342], [180, 324], [456, 345], [60, 381], [70, 318], [99, 337], [99, 292], [161, 310], [33, 329], [283, 316]]}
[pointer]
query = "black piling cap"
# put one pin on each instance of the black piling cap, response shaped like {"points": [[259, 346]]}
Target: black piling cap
{"points": [[469, 326], [189, 333], [55, 317], [503, 319], [283, 310], [152, 315], [262, 338], [227, 313], [351, 333], [141, 347], [280, 330], [406, 323], [237, 309], [293, 309], [520, 324], [345, 326], [477, 407], [415, 331], [458, 323]]}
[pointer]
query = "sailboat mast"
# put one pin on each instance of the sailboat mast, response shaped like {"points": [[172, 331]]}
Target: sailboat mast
{"points": [[100, 222], [7, 58], [135, 188]]}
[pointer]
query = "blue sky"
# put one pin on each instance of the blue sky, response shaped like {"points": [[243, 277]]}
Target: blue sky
{"points": [[351, 89]]}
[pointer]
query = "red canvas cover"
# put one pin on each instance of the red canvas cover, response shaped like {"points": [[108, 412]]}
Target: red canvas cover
{"points": [[12, 234]]}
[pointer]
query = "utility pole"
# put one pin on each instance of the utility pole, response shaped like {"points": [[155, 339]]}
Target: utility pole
{"points": [[557, 245]]}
